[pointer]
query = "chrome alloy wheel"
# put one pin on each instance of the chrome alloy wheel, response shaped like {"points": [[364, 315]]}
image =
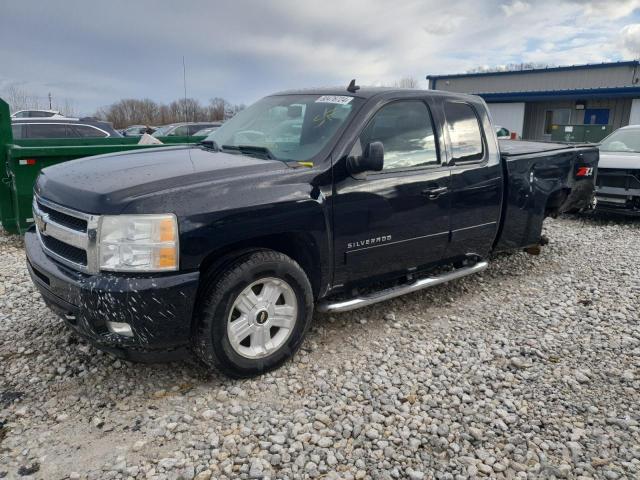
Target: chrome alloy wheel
{"points": [[262, 318]]}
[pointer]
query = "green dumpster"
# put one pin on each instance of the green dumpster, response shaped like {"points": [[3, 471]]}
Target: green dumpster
{"points": [[22, 160], [567, 133], [595, 133], [580, 133]]}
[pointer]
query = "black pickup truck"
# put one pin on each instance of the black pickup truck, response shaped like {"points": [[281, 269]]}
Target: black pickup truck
{"points": [[329, 199]]}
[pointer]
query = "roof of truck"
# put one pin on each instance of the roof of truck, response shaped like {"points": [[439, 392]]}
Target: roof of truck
{"points": [[368, 92]]}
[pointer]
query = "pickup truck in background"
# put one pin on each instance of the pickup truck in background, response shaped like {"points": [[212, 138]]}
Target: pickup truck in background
{"points": [[618, 183], [330, 199]]}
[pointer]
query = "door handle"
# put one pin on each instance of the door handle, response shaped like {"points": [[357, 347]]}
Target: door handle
{"points": [[434, 192]]}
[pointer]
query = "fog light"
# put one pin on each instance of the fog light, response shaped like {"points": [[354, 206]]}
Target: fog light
{"points": [[120, 328]]}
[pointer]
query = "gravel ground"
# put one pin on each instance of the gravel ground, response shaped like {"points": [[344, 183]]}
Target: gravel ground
{"points": [[528, 370]]}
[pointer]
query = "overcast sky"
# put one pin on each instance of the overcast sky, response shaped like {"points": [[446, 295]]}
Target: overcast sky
{"points": [[98, 52]]}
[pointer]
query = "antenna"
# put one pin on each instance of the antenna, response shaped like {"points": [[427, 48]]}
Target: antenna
{"points": [[353, 88], [184, 81]]}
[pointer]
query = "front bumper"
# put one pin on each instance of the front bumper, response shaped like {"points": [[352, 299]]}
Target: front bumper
{"points": [[618, 200], [159, 308]]}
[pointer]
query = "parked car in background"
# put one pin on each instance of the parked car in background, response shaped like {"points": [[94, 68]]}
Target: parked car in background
{"points": [[61, 128], [138, 130], [37, 114], [618, 181], [205, 131], [184, 129]]}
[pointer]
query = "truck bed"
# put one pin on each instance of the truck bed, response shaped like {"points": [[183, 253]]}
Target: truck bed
{"points": [[514, 148], [542, 179]]}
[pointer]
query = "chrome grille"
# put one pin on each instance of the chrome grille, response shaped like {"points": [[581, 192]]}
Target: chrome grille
{"points": [[67, 235], [618, 178], [73, 254], [69, 221]]}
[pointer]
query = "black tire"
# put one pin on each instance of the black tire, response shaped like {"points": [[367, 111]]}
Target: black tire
{"points": [[210, 340]]}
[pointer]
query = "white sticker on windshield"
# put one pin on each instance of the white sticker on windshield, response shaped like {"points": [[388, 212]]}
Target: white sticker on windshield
{"points": [[339, 99]]}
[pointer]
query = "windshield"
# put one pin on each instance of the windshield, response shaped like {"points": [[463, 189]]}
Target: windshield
{"points": [[286, 127], [623, 140]]}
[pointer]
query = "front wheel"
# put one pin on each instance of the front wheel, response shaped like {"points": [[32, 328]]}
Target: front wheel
{"points": [[253, 316]]}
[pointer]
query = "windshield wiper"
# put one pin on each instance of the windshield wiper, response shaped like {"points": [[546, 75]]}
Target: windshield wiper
{"points": [[251, 150], [211, 144]]}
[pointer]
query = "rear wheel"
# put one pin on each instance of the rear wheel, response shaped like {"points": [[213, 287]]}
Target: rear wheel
{"points": [[253, 315]]}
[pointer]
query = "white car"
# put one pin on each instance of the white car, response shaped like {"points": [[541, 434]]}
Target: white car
{"points": [[37, 114], [618, 180]]}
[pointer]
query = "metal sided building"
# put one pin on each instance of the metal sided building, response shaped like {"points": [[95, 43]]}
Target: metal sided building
{"points": [[539, 103]]}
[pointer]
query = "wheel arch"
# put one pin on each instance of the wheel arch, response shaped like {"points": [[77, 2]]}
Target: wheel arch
{"points": [[555, 201], [300, 246]]}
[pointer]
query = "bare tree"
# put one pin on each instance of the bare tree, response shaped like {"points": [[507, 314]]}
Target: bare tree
{"points": [[164, 115], [216, 108], [188, 110], [129, 111], [19, 99], [406, 82], [147, 112], [67, 107]]}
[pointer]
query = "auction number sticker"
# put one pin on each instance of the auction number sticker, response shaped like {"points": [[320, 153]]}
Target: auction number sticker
{"points": [[339, 99]]}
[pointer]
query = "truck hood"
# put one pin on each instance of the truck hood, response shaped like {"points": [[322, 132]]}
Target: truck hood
{"points": [[627, 160], [107, 183]]}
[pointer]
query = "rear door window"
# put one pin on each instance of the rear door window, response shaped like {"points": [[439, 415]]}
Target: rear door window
{"points": [[17, 131], [194, 128], [465, 132], [40, 114], [47, 130], [181, 131]]}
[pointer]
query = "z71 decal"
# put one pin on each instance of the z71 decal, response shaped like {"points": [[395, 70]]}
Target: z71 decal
{"points": [[584, 172]]}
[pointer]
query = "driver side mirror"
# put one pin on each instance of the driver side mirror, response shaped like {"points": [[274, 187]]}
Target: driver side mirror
{"points": [[372, 160]]}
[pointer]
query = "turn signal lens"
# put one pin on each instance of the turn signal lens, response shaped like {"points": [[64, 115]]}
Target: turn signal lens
{"points": [[167, 229], [167, 258]]}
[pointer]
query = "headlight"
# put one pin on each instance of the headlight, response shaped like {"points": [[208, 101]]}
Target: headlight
{"points": [[139, 243]]}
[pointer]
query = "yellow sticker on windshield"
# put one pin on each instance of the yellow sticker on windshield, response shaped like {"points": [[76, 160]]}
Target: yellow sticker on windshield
{"points": [[325, 117]]}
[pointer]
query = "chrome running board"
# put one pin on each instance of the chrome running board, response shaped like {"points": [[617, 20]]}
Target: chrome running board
{"points": [[389, 293]]}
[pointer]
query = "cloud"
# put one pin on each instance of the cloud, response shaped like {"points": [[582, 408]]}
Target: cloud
{"points": [[515, 8], [630, 39], [95, 53], [611, 9]]}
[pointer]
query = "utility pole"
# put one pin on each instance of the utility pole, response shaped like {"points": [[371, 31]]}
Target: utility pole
{"points": [[49, 100], [184, 82]]}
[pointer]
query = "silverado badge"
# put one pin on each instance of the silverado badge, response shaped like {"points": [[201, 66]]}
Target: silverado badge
{"points": [[369, 242]]}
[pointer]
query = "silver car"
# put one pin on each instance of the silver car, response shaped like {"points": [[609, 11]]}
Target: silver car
{"points": [[618, 182]]}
